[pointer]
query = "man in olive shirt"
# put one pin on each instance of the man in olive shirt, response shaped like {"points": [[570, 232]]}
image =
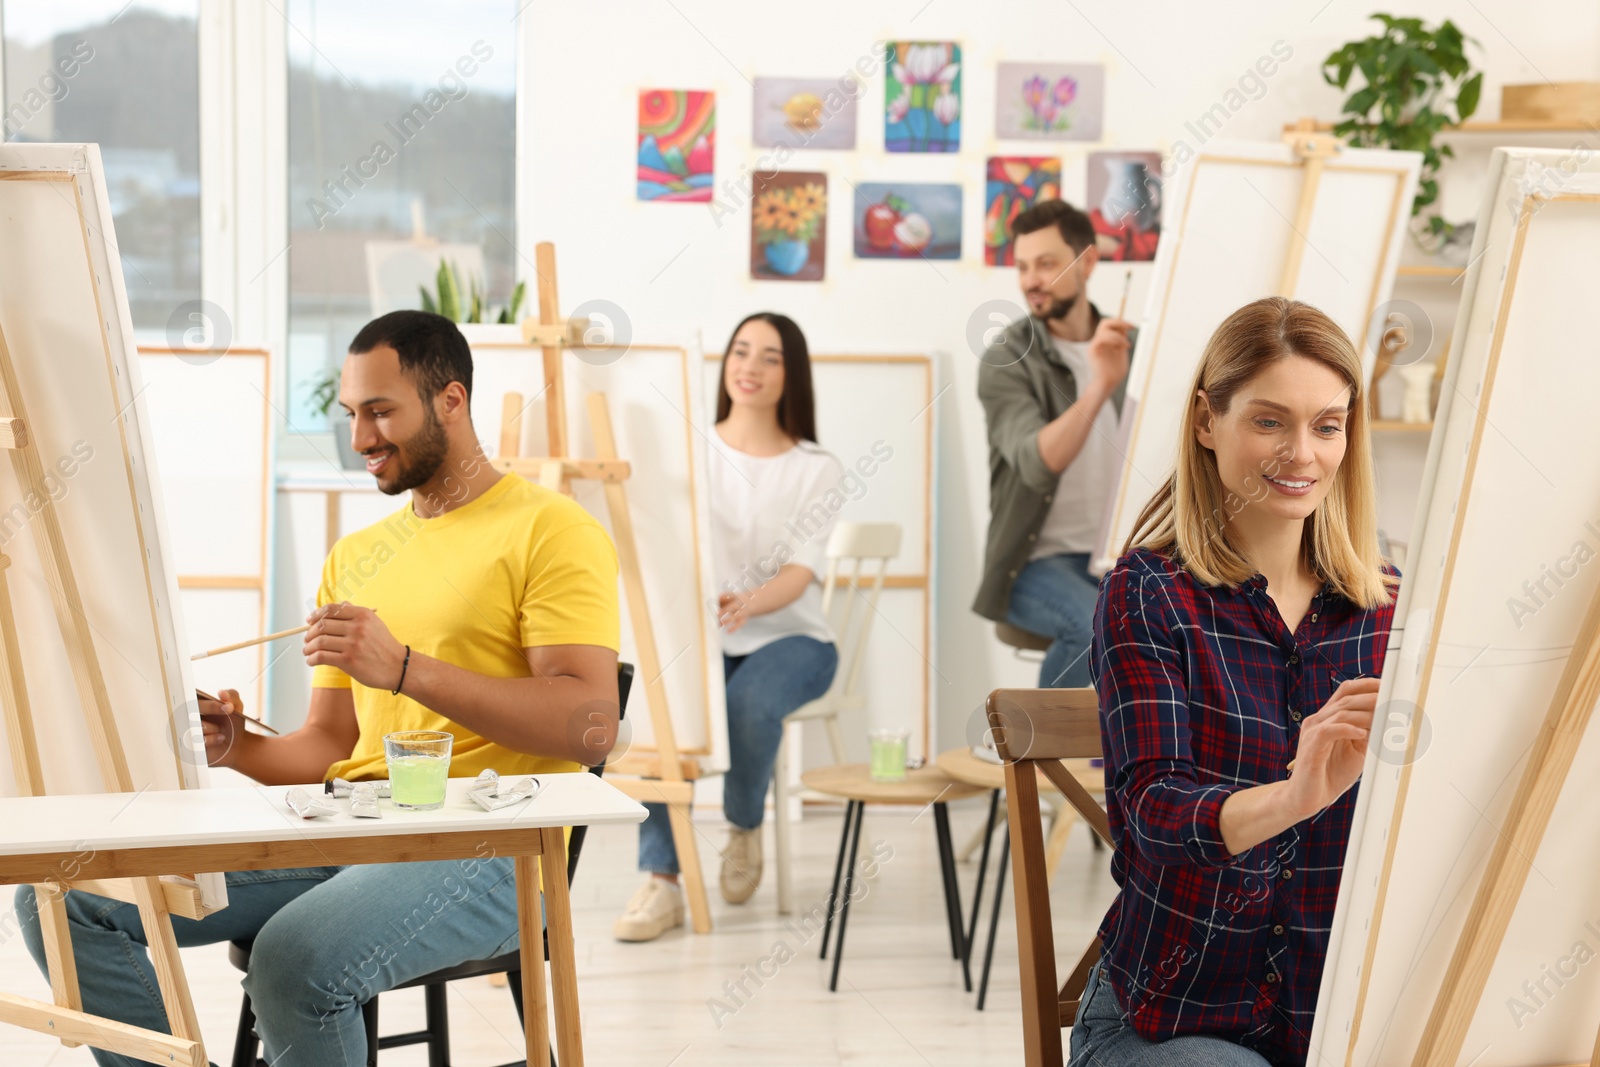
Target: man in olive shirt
{"points": [[1051, 387]]}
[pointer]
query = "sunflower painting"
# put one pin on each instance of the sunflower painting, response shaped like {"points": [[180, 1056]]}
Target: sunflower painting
{"points": [[677, 139], [788, 226], [1012, 185]]}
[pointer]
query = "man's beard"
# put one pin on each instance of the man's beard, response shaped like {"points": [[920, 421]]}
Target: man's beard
{"points": [[418, 459], [1060, 308]]}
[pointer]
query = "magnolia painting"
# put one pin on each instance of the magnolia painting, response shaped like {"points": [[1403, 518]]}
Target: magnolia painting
{"points": [[805, 112], [677, 138], [908, 220], [1012, 185], [922, 99], [1050, 101], [788, 226]]}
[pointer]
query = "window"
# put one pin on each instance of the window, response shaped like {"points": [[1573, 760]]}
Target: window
{"points": [[125, 76], [400, 114]]}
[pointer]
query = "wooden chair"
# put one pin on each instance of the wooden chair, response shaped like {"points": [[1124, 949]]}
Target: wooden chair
{"points": [[435, 1032], [851, 548], [1034, 730]]}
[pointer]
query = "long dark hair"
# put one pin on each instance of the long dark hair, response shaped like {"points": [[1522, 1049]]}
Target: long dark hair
{"points": [[797, 412]]}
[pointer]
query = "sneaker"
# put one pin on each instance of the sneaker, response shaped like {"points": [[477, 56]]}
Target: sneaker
{"points": [[656, 908], [741, 865]]}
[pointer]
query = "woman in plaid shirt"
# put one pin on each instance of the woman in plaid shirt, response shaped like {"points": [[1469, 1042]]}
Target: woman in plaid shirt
{"points": [[1243, 627]]}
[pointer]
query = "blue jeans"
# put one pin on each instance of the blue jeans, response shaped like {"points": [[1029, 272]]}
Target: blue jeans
{"points": [[763, 687], [1054, 597], [1102, 1036], [327, 939]]}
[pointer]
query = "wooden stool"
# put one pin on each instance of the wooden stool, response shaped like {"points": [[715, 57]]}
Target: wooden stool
{"points": [[923, 786], [963, 766], [1020, 639]]}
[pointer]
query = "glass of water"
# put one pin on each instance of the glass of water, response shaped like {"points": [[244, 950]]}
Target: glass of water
{"points": [[419, 765]]}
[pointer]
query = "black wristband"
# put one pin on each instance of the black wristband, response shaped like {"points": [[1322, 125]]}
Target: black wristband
{"points": [[396, 690]]}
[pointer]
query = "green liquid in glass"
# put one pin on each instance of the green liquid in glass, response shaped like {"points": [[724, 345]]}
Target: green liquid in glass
{"points": [[888, 759], [417, 782]]}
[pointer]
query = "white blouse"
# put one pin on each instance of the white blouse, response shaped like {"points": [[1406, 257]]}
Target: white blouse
{"points": [[767, 511]]}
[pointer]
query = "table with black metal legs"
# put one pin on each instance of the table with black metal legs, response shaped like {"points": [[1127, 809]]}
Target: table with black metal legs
{"points": [[962, 765], [925, 786]]}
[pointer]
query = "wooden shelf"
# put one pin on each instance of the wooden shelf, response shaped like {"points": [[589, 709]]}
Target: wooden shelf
{"points": [[1424, 270], [1396, 426], [1495, 126]]}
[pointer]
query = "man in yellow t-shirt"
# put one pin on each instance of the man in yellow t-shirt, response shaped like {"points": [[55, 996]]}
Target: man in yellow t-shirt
{"points": [[487, 608]]}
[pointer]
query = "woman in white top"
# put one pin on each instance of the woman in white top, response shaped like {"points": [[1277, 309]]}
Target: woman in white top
{"points": [[769, 529]]}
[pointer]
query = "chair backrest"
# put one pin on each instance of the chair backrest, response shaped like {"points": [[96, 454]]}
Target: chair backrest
{"points": [[1034, 730], [852, 547], [575, 844]]}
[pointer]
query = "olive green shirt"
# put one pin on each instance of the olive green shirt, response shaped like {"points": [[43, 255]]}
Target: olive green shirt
{"points": [[1023, 385]]}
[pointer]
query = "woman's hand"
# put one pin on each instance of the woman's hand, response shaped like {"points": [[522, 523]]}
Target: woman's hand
{"points": [[1332, 748], [731, 612]]}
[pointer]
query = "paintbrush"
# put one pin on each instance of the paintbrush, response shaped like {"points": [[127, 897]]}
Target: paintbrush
{"points": [[203, 695], [252, 641], [1127, 286]]}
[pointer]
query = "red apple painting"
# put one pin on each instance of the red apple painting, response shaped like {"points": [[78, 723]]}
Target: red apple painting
{"points": [[908, 220], [677, 139]]}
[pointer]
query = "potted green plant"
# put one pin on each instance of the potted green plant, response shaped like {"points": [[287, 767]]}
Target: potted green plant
{"points": [[1417, 82], [324, 392], [446, 298]]}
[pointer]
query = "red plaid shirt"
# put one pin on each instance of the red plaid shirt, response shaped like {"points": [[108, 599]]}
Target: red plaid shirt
{"points": [[1202, 691]]}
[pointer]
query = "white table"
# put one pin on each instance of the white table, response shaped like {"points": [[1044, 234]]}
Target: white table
{"points": [[138, 836]]}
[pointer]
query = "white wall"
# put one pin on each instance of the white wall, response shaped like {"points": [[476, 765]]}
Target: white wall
{"points": [[671, 267]]}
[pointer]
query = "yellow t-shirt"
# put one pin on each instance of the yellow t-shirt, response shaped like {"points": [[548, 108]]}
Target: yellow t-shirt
{"points": [[519, 567]]}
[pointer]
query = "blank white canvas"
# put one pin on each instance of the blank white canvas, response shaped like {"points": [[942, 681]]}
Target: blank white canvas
{"points": [[657, 421], [1438, 785], [65, 315], [1230, 222]]}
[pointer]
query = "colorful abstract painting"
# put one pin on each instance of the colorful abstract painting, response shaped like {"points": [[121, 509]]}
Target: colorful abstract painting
{"points": [[1050, 101], [1125, 204], [677, 138], [1012, 185], [805, 112], [789, 226], [922, 99], [908, 220]]}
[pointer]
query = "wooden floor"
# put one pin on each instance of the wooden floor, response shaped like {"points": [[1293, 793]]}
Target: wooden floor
{"points": [[899, 1001]]}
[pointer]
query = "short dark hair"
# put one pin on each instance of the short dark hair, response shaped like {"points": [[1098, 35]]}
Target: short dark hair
{"points": [[1075, 227], [433, 353], [797, 412]]}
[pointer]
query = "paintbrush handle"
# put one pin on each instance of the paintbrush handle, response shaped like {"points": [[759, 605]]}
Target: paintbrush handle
{"points": [[253, 641]]}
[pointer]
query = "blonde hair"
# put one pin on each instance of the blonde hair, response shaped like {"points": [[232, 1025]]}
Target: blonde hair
{"points": [[1188, 518]]}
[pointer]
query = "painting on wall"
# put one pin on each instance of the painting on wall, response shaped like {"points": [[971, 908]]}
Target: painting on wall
{"points": [[922, 97], [677, 138], [1125, 204], [1050, 101], [788, 226], [805, 112], [1013, 184], [908, 220]]}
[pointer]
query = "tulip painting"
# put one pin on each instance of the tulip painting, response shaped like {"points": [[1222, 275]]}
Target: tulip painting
{"points": [[1012, 185], [677, 138], [922, 100], [1050, 101]]}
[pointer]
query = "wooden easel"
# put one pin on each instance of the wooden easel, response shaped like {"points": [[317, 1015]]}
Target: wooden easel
{"points": [[1543, 777], [663, 777], [156, 900], [1314, 150]]}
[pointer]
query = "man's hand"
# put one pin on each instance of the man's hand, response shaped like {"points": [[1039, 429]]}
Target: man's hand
{"points": [[1108, 353], [221, 726], [356, 641]]}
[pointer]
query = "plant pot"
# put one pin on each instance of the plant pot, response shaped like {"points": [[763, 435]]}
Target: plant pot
{"points": [[787, 257], [349, 458]]}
